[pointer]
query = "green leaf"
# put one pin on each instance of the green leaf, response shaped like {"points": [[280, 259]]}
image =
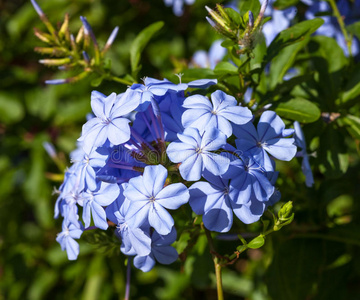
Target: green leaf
{"points": [[246, 5], [234, 16], [294, 34], [282, 4], [352, 124], [352, 88], [140, 42], [354, 29], [257, 242], [330, 63], [299, 109], [11, 109], [283, 61], [332, 154], [225, 68], [296, 268], [197, 73], [97, 81]]}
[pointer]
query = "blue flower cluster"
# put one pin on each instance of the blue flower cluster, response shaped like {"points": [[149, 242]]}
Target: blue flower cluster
{"points": [[178, 5], [130, 149]]}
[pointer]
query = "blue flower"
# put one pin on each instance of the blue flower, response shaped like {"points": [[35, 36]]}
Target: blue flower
{"points": [[178, 5], [305, 165], [280, 20], [202, 59], [94, 201], [248, 179], [151, 92], [216, 201], [161, 251], [269, 137], [149, 198], [193, 151], [222, 110], [110, 123], [66, 238], [135, 241]]}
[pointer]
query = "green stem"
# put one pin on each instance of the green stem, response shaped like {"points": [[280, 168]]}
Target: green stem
{"points": [[117, 79], [342, 24], [219, 287]]}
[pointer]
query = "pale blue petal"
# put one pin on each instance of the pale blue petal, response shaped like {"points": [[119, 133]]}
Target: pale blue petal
{"points": [[270, 126], [178, 152], [215, 163], [119, 131], [97, 104], [283, 149], [248, 215], [213, 139], [262, 187], [107, 194], [99, 216], [136, 191], [191, 168], [237, 114], [165, 255], [72, 248], [140, 241], [198, 102], [202, 83], [219, 217], [154, 179], [137, 214], [197, 118], [160, 219], [144, 263], [173, 196]]}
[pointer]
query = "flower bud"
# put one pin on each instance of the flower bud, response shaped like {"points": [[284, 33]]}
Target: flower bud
{"points": [[55, 61], [286, 211], [64, 27], [220, 23]]}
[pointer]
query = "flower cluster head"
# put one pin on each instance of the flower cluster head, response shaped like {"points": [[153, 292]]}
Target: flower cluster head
{"points": [[135, 142]]}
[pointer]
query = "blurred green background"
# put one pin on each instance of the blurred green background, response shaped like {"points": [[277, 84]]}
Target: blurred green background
{"points": [[317, 257]]}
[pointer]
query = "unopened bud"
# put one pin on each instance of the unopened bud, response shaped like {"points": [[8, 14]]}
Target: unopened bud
{"points": [[55, 61], [86, 57], [263, 8], [38, 9], [285, 211], [56, 81], [251, 19], [42, 36], [64, 27], [111, 38], [219, 23], [50, 149], [88, 30], [261, 14], [80, 35]]}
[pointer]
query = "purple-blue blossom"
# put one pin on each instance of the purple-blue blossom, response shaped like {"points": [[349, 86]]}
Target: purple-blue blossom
{"points": [[223, 110], [193, 151], [94, 200], [150, 199], [215, 200], [109, 123], [66, 238], [161, 251], [178, 5], [270, 137]]}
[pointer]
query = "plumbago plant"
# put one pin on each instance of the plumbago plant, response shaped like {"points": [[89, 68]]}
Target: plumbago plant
{"points": [[166, 163]]}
